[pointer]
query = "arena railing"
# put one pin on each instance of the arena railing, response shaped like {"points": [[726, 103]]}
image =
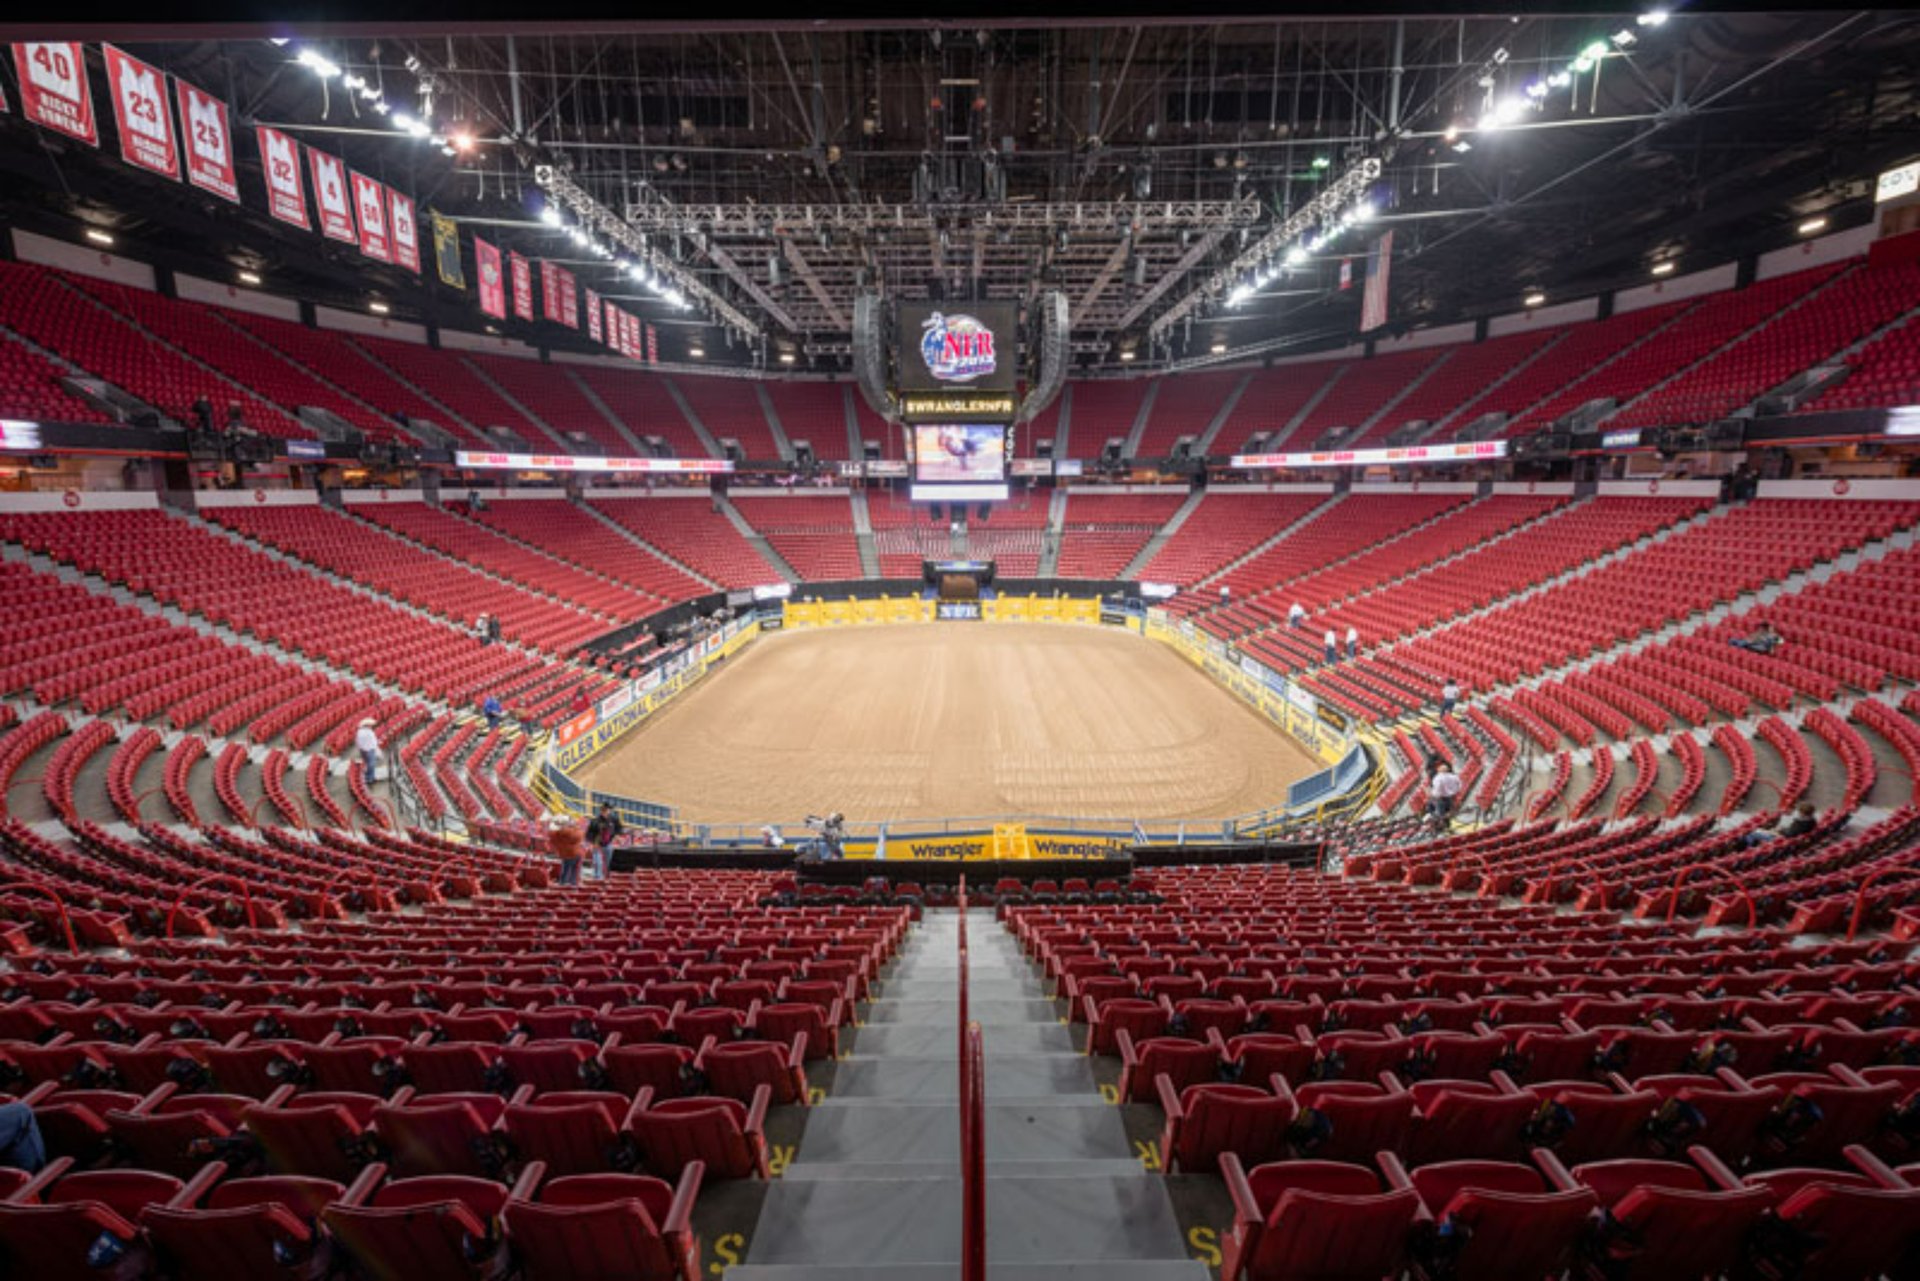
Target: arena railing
{"points": [[973, 1124]]}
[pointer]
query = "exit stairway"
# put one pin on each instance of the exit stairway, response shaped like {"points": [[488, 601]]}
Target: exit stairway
{"points": [[875, 1188]]}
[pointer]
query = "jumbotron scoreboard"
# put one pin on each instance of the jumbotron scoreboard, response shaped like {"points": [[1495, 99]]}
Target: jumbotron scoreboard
{"points": [[956, 369]]}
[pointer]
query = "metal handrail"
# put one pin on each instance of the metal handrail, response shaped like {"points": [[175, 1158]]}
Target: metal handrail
{"points": [[246, 896], [59, 906], [973, 1156], [1673, 906]]}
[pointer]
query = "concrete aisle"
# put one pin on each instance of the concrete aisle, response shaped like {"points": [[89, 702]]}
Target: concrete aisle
{"points": [[875, 1188]]}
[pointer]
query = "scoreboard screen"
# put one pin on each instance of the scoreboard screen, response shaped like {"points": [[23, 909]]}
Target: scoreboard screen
{"points": [[959, 453]]}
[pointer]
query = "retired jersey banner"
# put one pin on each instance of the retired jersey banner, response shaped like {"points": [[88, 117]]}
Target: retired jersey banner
{"points": [[569, 300], [209, 145], [406, 232], [280, 162], [446, 252], [493, 291], [593, 316], [549, 290], [141, 112], [1373, 299], [522, 287], [330, 196], [653, 345], [370, 207], [53, 89]]}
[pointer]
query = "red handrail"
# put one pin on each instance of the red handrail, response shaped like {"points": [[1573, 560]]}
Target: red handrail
{"points": [[59, 905], [1860, 897], [973, 1157], [1673, 906], [246, 895]]}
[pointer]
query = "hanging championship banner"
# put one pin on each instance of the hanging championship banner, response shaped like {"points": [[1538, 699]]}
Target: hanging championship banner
{"points": [[446, 252], [406, 232], [569, 300], [370, 206], [280, 162], [522, 287], [53, 89], [330, 196], [493, 291], [593, 315], [141, 113], [209, 146]]}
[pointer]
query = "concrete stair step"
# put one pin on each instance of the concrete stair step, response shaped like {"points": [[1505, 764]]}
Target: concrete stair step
{"points": [[917, 1039], [1107, 1270], [841, 1171], [1099, 1218], [1046, 1129], [938, 1079], [903, 1013]]}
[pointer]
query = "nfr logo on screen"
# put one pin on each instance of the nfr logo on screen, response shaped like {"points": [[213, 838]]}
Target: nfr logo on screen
{"points": [[957, 349]]}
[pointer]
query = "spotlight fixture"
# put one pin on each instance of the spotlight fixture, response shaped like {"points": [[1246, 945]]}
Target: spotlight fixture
{"points": [[697, 352], [1810, 227], [1218, 348], [1534, 299], [786, 358], [1663, 268], [378, 308], [249, 278], [1126, 353], [98, 236]]}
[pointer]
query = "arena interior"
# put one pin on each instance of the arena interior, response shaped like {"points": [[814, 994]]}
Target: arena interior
{"points": [[1254, 646]]}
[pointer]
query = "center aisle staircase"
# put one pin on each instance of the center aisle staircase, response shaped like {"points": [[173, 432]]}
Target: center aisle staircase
{"points": [[876, 1189]]}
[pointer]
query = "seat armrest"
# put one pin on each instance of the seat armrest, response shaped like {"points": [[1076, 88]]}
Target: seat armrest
{"points": [[1246, 1210], [1557, 1174], [198, 1186], [680, 1212], [1129, 1056], [1874, 1168], [757, 1111], [364, 1184], [797, 1052], [30, 1191], [1169, 1098], [531, 1176], [161, 1093], [613, 1040], [1716, 1170], [1504, 1083], [522, 1095], [280, 1096]]}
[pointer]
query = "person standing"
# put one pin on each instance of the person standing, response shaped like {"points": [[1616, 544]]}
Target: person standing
{"points": [[492, 710], [368, 744], [1296, 615], [480, 630], [1353, 642], [602, 832], [1444, 792], [1333, 646], [493, 628], [563, 840], [1449, 695]]}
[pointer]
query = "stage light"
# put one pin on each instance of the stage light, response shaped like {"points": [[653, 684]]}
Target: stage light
{"points": [[697, 353], [1126, 353], [1534, 299], [1663, 268], [1296, 256], [1365, 212], [1812, 225], [321, 66], [1463, 146], [378, 308], [1622, 38], [1240, 294], [462, 141], [550, 216], [1559, 80], [249, 278], [1218, 348], [1536, 89], [1652, 18], [1322, 162], [1595, 51], [98, 236], [786, 358]]}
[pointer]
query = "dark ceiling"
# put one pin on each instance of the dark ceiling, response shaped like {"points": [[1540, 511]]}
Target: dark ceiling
{"points": [[1122, 164]]}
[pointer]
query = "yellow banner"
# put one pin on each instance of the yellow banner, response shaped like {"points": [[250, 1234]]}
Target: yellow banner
{"points": [[975, 847]]}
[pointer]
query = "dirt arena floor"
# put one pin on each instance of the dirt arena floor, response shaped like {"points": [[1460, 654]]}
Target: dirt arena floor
{"points": [[949, 720]]}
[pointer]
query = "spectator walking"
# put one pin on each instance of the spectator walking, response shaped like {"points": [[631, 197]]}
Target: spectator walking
{"points": [[1353, 642], [1296, 615], [1444, 793], [1449, 695], [563, 840], [1226, 594], [493, 628], [1333, 646], [480, 630], [602, 832], [368, 744], [492, 710]]}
